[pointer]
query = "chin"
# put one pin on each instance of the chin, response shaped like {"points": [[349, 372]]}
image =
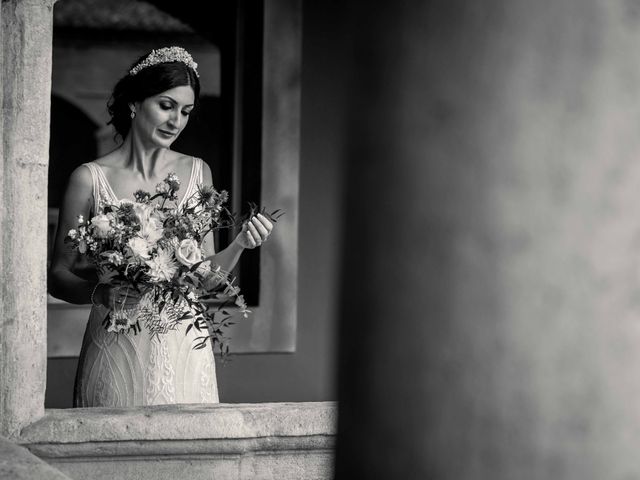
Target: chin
{"points": [[164, 142]]}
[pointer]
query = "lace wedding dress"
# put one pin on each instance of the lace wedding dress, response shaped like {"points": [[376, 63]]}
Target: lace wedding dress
{"points": [[116, 370]]}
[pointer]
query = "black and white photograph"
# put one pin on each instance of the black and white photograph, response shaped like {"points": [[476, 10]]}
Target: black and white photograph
{"points": [[297, 240]]}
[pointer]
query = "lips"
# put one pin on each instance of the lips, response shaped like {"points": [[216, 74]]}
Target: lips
{"points": [[169, 134]]}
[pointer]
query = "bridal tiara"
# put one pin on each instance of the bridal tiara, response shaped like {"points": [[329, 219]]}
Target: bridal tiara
{"points": [[166, 55]]}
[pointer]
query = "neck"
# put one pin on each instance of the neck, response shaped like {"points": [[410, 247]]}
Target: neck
{"points": [[141, 158]]}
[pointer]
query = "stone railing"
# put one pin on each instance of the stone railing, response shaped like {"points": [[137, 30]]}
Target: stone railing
{"points": [[226, 441]]}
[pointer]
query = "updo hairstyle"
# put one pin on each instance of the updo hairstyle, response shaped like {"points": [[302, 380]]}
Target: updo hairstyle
{"points": [[146, 83]]}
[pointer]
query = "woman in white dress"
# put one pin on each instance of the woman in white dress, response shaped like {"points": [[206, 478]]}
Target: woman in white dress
{"points": [[149, 108]]}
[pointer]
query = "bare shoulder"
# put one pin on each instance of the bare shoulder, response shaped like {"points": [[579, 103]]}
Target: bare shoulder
{"points": [[207, 177], [80, 178], [206, 173], [111, 159], [173, 156], [180, 162], [78, 196]]}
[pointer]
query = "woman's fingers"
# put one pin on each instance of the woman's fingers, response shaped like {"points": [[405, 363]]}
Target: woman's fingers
{"points": [[262, 225], [265, 222], [259, 229], [124, 296], [255, 231], [254, 236], [252, 240], [129, 304]]}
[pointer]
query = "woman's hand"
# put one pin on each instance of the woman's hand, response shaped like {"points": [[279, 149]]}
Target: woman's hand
{"points": [[118, 295], [254, 232]]}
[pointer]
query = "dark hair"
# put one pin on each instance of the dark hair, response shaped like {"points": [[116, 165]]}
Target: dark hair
{"points": [[146, 83]]}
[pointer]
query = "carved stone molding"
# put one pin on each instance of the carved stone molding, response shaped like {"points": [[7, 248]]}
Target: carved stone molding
{"points": [[270, 440]]}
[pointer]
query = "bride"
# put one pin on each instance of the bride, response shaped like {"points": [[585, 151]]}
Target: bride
{"points": [[149, 108]]}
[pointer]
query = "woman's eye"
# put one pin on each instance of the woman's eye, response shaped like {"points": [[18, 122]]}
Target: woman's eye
{"points": [[165, 106], [186, 113]]}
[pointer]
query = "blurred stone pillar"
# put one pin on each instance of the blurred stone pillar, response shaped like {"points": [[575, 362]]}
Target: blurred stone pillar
{"points": [[26, 31], [490, 326]]}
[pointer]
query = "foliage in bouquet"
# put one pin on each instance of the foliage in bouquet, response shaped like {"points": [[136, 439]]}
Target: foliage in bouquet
{"points": [[155, 248]]}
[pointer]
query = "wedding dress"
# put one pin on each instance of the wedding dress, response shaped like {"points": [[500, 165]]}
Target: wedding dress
{"points": [[126, 369]]}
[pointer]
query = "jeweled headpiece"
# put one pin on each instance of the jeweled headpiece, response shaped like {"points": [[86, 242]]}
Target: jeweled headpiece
{"points": [[166, 55]]}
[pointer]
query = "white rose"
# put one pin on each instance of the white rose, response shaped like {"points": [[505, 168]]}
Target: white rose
{"points": [[151, 229], [101, 225], [188, 253], [139, 248]]}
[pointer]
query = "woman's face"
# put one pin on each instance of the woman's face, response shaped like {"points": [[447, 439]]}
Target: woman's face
{"points": [[160, 119]]}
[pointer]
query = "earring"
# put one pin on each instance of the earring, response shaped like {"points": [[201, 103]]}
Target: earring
{"points": [[133, 114]]}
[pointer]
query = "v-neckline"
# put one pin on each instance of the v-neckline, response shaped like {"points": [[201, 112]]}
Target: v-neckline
{"points": [[115, 198]]}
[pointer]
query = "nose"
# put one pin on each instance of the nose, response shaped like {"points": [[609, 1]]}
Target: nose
{"points": [[175, 120]]}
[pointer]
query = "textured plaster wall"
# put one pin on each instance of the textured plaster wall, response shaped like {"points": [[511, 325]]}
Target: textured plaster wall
{"points": [[505, 137]]}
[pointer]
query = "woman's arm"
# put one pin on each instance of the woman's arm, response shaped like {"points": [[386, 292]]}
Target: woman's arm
{"points": [[252, 235], [77, 200], [63, 283]]}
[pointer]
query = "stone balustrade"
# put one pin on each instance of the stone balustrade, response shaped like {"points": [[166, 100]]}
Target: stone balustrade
{"points": [[225, 441]]}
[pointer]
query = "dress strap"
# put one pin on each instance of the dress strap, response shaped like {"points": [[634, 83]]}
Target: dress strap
{"points": [[196, 174], [195, 178], [95, 184], [200, 170]]}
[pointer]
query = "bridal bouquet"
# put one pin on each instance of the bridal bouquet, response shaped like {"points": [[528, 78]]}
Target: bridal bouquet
{"points": [[156, 249]]}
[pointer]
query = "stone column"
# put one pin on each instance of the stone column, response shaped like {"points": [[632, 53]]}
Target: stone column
{"points": [[26, 30], [491, 318]]}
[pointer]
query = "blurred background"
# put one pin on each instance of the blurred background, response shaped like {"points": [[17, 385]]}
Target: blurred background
{"points": [[492, 197]]}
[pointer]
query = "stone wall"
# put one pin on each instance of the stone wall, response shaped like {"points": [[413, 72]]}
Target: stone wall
{"points": [[26, 76]]}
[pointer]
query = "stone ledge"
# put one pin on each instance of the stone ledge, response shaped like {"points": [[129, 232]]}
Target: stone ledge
{"points": [[308, 424], [287, 441], [182, 448]]}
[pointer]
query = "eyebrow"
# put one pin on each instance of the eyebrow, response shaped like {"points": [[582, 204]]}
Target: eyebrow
{"points": [[174, 101]]}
